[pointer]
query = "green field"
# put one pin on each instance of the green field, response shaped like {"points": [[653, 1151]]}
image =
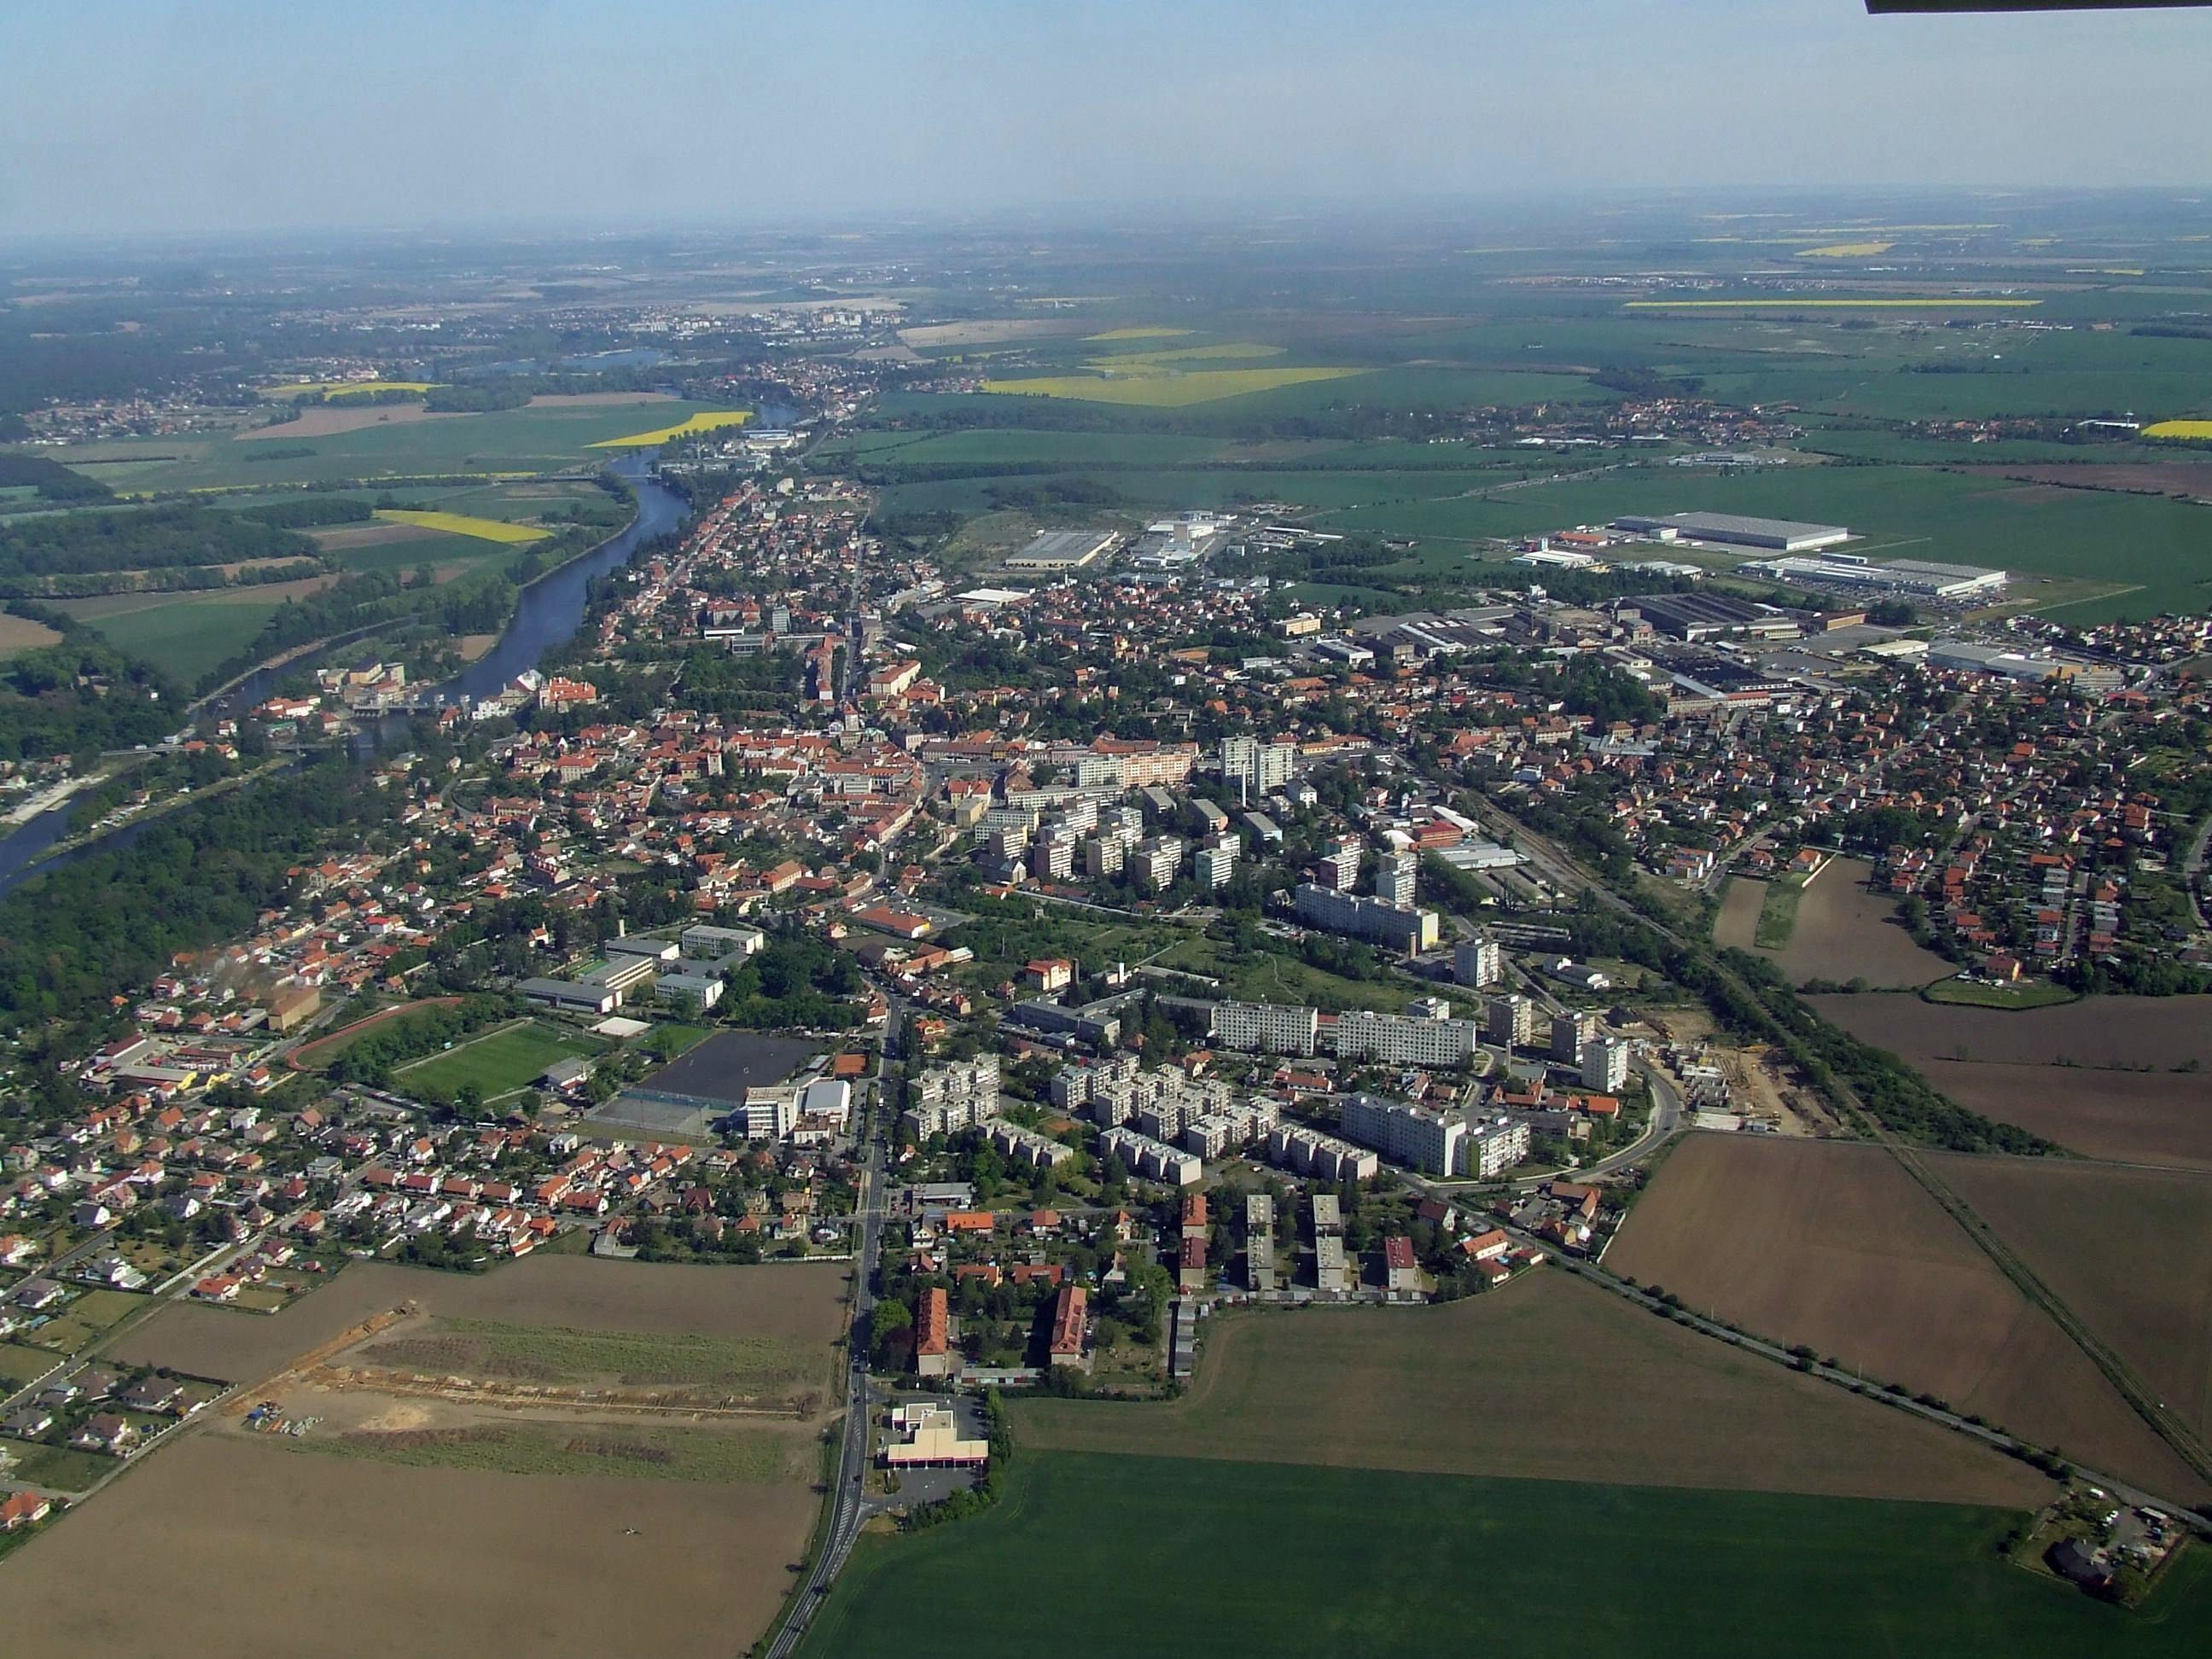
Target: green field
{"points": [[184, 634], [1156, 388], [18, 1365], [90, 1315], [543, 1354], [63, 1468], [511, 442], [502, 1064], [720, 1455], [1777, 913], [1968, 993], [1334, 1562]]}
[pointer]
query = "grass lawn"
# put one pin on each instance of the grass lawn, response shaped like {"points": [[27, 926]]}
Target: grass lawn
{"points": [[508, 1059], [87, 1317], [1777, 913], [63, 1468], [18, 1365], [1298, 1561], [1971, 994], [670, 1040]]}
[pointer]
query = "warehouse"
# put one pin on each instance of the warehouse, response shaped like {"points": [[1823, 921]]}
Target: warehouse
{"points": [[1785, 535], [1921, 578], [1061, 550]]}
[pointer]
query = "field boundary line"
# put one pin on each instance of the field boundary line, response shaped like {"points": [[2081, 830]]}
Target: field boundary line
{"points": [[2184, 1440]]}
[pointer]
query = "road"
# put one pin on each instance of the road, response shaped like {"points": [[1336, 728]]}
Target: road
{"points": [[848, 1503]]}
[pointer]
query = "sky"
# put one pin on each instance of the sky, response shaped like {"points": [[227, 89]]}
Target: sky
{"points": [[189, 116]]}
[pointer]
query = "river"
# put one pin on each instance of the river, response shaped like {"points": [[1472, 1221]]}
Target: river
{"points": [[548, 615]]}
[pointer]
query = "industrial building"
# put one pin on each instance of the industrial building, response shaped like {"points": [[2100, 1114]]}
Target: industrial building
{"points": [[1062, 549], [1920, 577], [1785, 535]]}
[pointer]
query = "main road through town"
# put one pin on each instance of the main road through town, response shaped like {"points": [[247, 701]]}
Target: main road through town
{"points": [[848, 1503]]}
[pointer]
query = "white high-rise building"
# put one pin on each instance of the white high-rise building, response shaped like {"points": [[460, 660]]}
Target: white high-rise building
{"points": [[1266, 1028], [1405, 1039], [1396, 877], [1605, 1065], [1254, 768], [1479, 961], [1405, 1133]]}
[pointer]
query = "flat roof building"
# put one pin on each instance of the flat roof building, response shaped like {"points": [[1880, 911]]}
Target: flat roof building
{"points": [[1786, 535]]}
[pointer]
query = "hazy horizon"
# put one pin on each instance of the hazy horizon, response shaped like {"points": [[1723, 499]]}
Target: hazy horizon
{"points": [[168, 119]]}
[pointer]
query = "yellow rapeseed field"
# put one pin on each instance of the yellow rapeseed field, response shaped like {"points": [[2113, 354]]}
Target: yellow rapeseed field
{"points": [[463, 524], [2194, 431], [1848, 250], [1166, 391], [713, 421]]}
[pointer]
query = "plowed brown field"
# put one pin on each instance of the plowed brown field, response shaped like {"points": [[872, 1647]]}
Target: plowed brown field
{"points": [[2129, 1250], [250, 1550], [1835, 1246]]}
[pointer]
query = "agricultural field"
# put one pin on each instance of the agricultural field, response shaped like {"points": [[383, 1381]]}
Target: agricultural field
{"points": [[1163, 389], [506, 1062], [1445, 1563], [761, 1367], [463, 524], [186, 635], [1835, 1246], [261, 1550], [2128, 1249], [2108, 1077], [801, 1304], [20, 634], [496, 445], [690, 427], [291, 389], [1501, 1385], [1835, 927]]}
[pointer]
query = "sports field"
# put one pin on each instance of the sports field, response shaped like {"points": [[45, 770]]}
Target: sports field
{"points": [[1833, 1245], [1276, 1559], [463, 524], [509, 1060]]}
